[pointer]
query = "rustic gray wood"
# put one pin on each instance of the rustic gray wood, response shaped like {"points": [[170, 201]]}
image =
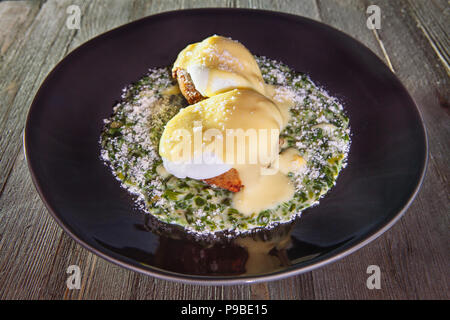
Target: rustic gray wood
{"points": [[35, 253]]}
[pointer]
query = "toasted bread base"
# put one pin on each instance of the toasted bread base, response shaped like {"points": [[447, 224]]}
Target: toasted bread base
{"points": [[186, 85], [229, 180]]}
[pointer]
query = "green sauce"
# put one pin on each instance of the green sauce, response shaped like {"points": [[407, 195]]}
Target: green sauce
{"points": [[318, 129]]}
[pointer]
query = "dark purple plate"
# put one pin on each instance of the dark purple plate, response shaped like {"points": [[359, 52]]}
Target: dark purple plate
{"points": [[385, 168]]}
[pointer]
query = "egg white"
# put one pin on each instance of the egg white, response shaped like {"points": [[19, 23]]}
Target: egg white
{"points": [[201, 78], [205, 167]]}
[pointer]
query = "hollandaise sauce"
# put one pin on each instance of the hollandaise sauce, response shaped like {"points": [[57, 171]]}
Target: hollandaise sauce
{"points": [[313, 144], [219, 64]]}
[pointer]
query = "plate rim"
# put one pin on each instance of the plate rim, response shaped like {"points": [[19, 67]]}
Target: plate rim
{"points": [[238, 279]]}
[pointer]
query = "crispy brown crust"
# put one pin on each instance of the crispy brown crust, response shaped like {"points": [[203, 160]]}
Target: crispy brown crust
{"points": [[229, 180], [186, 85]]}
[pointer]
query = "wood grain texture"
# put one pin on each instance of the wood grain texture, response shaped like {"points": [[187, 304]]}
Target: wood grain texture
{"points": [[35, 252]]}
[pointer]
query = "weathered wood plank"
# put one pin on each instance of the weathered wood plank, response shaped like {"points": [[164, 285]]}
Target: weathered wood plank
{"points": [[16, 19], [28, 60], [49, 274], [27, 232], [350, 17], [433, 19]]}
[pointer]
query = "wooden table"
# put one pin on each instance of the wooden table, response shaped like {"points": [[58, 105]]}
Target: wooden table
{"points": [[34, 252]]}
